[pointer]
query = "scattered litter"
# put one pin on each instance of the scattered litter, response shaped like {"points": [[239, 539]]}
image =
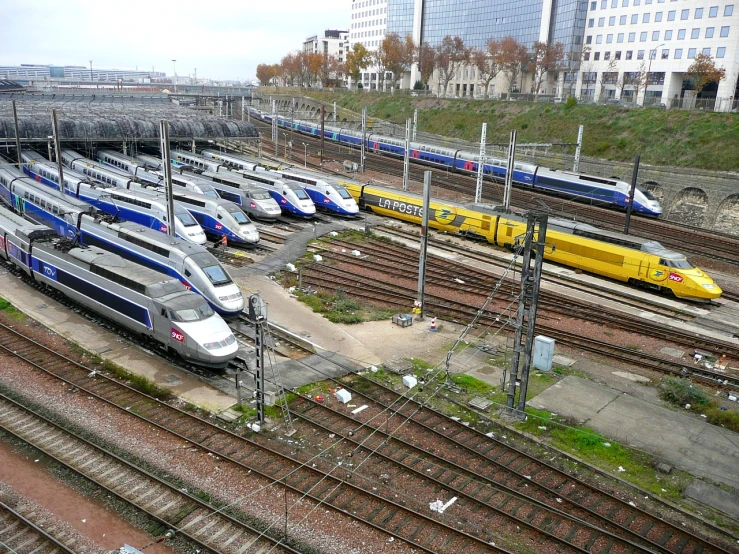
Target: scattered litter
{"points": [[318, 398], [606, 444], [92, 373], [621, 469], [84, 521], [646, 498], [256, 427], [703, 415], [458, 281], [290, 267], [36, 460], [439, 506], [373, 369], [664, 490], [334, 234], [527, 477], [391, 539], [410, 381], [559, 500], [632, 504], [356, 253], [343, 396], [360, 409], [687, 406], [351, 405], [490, 435], [542, 427], [317, 258], [455, 418], [332, 435]]}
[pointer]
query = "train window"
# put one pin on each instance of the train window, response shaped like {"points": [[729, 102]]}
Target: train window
{"points": [[240, 217], [187, 273]]}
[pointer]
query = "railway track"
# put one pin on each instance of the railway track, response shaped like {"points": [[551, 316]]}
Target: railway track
{"points": [[683, 238], [24, 533], [313, 480], [202, 524], [400, 262], [488, 475], [400, 297]]}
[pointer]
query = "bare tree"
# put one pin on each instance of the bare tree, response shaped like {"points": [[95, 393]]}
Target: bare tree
{"points": [[513, 55], [638, 80], [451, 54], [378, 60], [607, 77]]}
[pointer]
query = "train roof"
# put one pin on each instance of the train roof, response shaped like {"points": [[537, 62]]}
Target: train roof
{"points": [[134, 276], [13, 223], [610, 237]]}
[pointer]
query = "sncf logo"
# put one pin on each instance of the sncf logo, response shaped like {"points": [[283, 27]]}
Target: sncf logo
{"points": [[675, 277], [176, 335], [219, 226]]}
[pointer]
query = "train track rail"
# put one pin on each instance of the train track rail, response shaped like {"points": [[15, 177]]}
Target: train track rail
{"points": [[24, 533], [489, 475], [399, 261], [201, 523], [318, 482], [400, 297]]}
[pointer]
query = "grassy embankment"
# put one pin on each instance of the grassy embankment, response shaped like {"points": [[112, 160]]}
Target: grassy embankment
{"points": [[696, 139]]}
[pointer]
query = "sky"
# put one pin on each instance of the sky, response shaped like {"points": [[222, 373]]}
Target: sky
{"points": [[223, 40]]}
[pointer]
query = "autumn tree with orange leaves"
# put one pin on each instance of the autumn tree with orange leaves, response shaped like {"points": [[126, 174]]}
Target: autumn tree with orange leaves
{"points": [[513, 59], [397, 54], [544, 59], [425, 57]]}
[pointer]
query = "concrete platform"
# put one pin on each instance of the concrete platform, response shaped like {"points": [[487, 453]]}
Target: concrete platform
{"points": [[681, 439]]}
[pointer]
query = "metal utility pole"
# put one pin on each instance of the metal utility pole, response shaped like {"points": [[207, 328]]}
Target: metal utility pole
{"points": [[481, 164], [323, 124], [57, 149], [243, 103], [164, 138], [17, 136], [334, 113], [362, 153], [509, 171], [292, 120], [406, 156], [424, 240], [576, 164], [631, 194], [526, 314], [415, 124], [258, 316]]}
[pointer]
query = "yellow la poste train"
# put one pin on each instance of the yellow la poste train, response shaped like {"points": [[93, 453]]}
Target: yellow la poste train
{"points": [[623, 257]]}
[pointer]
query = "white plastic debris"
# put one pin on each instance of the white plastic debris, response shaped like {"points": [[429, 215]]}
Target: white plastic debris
{"points": [[256, 427], [458, 281], [317, 258], [606, 444], [632, 504], [621, 469], [409, 381], [356, 253], [687, 406], [343, 396], [334, 234], [290, 267], [291, 290], [543, 427], [84, 521], [373, 369], [559, 500], [439, 506], [360, 409]]}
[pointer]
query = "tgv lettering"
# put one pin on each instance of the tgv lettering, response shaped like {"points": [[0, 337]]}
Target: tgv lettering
{"points": [[400, 207]]}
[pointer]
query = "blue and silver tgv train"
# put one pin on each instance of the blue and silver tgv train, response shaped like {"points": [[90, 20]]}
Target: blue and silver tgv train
{"points": [[145, 302], [327, 196], [587, 188], [149, 210], [254, 200], [290, 196], [219, 218]]}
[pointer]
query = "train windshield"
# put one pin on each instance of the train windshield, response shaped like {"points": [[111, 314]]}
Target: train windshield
{"points": [[259, 195], [677, 264], [343, 192], [210, 266], [646, 193], [240, 216], [300, 193], [209, 192], [186, 219], [204, 311]]}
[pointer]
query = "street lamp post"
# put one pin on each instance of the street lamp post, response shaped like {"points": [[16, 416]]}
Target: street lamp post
{"points": [[649, 69], [174, 70]]}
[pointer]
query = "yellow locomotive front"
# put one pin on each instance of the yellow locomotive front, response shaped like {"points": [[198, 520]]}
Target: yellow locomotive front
{"points": [[675, 272]]}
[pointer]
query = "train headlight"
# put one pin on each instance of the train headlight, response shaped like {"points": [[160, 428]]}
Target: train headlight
{"points": [[708, 286], [230, 339]]}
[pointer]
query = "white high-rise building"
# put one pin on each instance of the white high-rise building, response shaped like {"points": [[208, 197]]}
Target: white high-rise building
{"points": [[658, 39], [369, 27]]}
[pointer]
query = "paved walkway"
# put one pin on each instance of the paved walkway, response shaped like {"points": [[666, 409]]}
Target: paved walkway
{"points": [[681, 439]]}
